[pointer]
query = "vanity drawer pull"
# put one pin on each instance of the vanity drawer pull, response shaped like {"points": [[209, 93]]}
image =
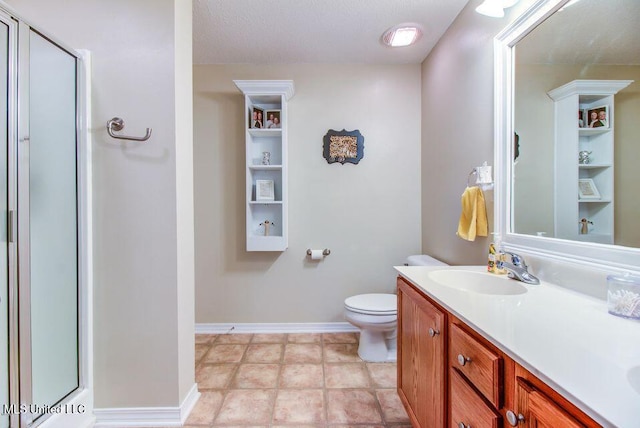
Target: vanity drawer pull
{"points": [[513, 419], [462, 425], [462, 360], [433, 332]]}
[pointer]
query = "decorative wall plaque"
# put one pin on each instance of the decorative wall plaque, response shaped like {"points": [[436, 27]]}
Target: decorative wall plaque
{"points": [[343, 146]]}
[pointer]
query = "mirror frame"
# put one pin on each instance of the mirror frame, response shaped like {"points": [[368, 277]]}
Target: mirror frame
{"points": [[600, 256]]}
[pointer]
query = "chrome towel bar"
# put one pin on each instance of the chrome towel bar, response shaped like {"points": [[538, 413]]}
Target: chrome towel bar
{"points": [[117, 124]]}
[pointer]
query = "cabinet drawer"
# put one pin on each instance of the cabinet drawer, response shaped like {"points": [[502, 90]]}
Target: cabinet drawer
{"points": [[477, 363], [468, 409]]}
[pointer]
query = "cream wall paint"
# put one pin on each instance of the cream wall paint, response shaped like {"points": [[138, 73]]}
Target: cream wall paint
{"points": [[142, 284], [367, 214], [457, 128], [534, 124]]}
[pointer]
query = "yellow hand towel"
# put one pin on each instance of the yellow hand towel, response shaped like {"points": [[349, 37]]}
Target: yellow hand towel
{"points": [[473, 219]]}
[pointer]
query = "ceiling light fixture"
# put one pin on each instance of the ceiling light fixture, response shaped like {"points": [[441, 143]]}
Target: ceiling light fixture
{"points": [[402, 35], [495, 8]]}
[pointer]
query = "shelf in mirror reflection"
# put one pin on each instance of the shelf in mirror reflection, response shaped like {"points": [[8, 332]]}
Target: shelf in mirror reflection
{"points": [[262, 132], [595, 201], [592, 131], [265, 167], [265, 202], [594, 165]]}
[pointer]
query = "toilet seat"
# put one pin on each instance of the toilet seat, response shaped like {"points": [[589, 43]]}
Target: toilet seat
{"points": [[372, 304]]}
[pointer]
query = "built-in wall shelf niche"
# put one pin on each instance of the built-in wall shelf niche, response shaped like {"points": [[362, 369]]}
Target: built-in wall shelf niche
{"points": [[266, 143], [584, 179]]}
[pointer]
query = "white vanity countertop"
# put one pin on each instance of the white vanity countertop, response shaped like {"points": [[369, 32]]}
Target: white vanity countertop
{"points": [[567, 339]]}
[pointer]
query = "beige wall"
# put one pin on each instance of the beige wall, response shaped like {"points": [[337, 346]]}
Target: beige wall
{"points": [[457, 129], [367, 214], [143, 338], [534, 124]]}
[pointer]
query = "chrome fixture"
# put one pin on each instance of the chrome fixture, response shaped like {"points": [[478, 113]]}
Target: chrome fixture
{"points": [[517, 268], [325, 252], [116, 124]]}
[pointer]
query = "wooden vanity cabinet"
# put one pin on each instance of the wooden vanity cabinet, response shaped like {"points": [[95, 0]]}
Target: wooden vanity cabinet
{"points": [[449, 375], [421, 358]]}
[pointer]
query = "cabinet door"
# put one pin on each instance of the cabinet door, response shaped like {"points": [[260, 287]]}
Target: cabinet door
{"points": [[421, 358], [541, 411]]}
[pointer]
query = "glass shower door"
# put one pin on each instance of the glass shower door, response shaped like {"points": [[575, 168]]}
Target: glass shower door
{"points": [[4, 242], [49, 155]]}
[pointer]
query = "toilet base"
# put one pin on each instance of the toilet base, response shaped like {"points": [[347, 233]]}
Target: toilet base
{"points": [[378, 346]]}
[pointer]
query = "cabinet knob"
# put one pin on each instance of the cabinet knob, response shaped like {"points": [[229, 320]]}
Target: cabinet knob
{"points": [[462, 425], [513, 419], [462, 360], [433, 332]]}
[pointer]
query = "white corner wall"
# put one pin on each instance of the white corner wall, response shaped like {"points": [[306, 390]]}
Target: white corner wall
{"points": [[457, 129], [143, 250], [368, 214]]}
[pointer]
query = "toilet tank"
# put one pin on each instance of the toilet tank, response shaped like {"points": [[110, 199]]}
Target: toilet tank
{"points": [[423, 260]]}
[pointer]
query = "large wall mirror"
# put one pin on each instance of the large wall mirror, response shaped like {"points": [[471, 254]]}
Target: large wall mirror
{"points": [[567, 132]]}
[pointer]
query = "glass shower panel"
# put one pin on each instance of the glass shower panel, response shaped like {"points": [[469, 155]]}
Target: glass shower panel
{"points": [[53, 221], [4, 271]]}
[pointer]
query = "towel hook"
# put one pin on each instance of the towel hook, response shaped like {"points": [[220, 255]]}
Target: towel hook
{"points": [[117, 124]]}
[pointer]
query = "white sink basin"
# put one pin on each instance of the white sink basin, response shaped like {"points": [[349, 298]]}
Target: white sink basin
{"points": [[477, 282]]}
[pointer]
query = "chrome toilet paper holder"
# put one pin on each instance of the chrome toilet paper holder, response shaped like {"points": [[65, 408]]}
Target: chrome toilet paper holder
{"points": [[325, 252]]}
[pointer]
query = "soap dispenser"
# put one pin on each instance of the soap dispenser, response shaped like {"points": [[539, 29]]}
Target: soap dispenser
{"points": [[496, 254]]}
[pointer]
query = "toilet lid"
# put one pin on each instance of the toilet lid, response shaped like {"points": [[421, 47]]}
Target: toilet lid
{"points": [[376, 304]]}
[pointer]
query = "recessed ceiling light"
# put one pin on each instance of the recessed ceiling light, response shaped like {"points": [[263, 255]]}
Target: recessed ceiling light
{"points": [[402, 35]]}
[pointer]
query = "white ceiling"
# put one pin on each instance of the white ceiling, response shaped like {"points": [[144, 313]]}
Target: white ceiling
{"points": [[314, 31], [588, 32]]}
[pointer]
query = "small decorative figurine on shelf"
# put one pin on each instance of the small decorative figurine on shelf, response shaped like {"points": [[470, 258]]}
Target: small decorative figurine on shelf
{"points": [[584, 226], [267, 224], [583, 157], [266, 158]]}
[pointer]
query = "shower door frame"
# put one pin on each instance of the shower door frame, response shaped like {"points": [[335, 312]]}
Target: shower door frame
{"points": [[79, 400]]}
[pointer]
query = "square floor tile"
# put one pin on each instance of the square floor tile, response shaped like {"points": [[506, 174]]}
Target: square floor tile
{"points": [[201, 349], [392, 409], [383, 375], [299, 406], [304, 338], [302, 353], [256, 376], [349, 375], [352, 407], [341, 352], [214, 376], [225, 354], [246, 407], [205, 338], [264, 353], [302, 376], [205, 409], [233, 338], [340, 337], [269, 338]]}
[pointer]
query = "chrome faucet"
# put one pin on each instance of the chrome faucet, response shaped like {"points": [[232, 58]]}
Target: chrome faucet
{"points": [[517, 268]]}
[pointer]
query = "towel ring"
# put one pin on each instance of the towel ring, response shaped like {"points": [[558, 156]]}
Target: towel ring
{"points": [[117, 124]]}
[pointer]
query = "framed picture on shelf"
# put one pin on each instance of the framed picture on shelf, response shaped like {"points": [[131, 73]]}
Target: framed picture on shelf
{"points": [[272, 119], [265, 190], [598, 117], [257, 118], [587, 189]]}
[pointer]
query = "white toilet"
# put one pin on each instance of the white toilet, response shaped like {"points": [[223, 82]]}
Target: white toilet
{"points": [[376, 315]]}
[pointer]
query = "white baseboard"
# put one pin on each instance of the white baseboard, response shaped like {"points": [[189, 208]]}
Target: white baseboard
{"points": [[135, 417], [312, 327]]}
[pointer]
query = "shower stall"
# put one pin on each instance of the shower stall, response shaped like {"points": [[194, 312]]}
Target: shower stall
{"points": [[43, 227]]}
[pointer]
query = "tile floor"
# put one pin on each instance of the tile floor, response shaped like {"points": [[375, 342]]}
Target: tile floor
{"points": [[310, 380]]}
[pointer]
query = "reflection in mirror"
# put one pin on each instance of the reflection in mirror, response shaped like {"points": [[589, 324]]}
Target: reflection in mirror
{"points": [[579, 48]]}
